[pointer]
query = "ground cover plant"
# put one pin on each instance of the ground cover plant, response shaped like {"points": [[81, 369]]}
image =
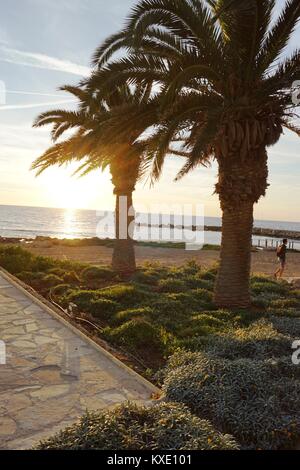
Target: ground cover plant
{"points": [[231, 367], [166, 426]]}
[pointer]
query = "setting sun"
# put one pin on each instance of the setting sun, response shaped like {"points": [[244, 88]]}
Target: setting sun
{"points": [[68, 192]]}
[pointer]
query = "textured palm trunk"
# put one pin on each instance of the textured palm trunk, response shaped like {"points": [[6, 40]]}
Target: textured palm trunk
{"points": [[123, 260], [232, 286], [242, 181]]}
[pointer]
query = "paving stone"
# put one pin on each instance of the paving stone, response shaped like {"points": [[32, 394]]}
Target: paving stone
{"points": [[113, 397], [26, 321], [40, 340], [21, 362], [23, 344], [8, 426], [48, 376], [93, 403], [31, 327], [42, 415], [17, 330], [50, 391], [17, 402], [52, 375]]}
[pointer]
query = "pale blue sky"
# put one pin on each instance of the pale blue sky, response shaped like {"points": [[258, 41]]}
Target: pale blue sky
{"points": [[45, 44]]}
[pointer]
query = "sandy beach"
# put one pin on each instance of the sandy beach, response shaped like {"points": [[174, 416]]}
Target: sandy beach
{"points": [[262, 262]]}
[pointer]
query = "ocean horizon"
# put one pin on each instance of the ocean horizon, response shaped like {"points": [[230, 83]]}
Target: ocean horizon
{"points": [[29, 222]]}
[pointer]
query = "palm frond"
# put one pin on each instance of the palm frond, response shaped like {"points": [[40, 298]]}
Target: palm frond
{"points": [[279, 36]]}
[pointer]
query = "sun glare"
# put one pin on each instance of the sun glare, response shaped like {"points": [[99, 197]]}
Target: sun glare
{"points": [[67, 192]]}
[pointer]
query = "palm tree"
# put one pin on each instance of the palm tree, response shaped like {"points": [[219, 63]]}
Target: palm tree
{"points": [[105, 134], [227, 88]]}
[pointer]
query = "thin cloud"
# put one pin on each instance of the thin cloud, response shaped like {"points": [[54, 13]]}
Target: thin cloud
{"points": [[62, 4], [35, 105], [42, 61], [32, 93]]}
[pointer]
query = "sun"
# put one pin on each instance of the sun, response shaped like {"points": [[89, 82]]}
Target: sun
{"points": [[70, 192]]}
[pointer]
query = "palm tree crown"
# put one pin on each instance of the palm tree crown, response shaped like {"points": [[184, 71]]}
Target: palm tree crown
{"points": [[217, 64], [105, 132]]}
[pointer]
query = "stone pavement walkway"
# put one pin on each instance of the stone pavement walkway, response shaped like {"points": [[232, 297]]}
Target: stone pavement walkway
{"points": [[51, 375]]}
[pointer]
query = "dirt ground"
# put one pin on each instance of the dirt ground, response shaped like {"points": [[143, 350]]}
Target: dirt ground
{"points": [[262, 261]]}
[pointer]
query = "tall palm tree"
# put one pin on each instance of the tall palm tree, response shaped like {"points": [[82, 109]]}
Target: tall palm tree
{"points": [[106, 133], [226, 86]]}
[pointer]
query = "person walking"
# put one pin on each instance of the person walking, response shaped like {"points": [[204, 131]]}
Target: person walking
{"points": [[281, 255]]}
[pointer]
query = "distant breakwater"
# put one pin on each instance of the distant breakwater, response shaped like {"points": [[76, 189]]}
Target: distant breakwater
{"points": [[264, 232], [257, 231]]}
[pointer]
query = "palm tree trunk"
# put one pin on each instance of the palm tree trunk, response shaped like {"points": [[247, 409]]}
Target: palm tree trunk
{"points": [[123, 260], [232, 286], [242, 181]]}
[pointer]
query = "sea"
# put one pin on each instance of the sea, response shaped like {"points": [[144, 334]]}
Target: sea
{"points": [[29, 222]]}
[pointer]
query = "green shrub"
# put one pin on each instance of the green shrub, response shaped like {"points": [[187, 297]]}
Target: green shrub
{"points": [[92, 301], [165, 426], [71, 277], [61, 290], [82, 298], [191, 267], [95, 273], [169, 313], [167, 306], [268, 286], [145, 277], [103, 309], [130, 314], [262, 278], [171, 285], [239, 397], [60, 272], [259, 341], [42, 263], [295, 293], [284, 367], [68, 265], [287, 326], [192, 343], [209, 275], [128, 295], [15, 260], [284, 312], [224, 315], [141, 336], [247, 317], [51, 280], [204, 319], [285, 303], [29, 276], [186, 301], [195, 331], [259, 301], [203, 296], [195, 282]]}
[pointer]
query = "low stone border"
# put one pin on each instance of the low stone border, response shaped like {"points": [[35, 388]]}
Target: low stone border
{"points": [[155, 391]]}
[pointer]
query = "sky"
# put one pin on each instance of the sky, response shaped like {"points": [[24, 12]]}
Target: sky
{"points": [[45, 44]]}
